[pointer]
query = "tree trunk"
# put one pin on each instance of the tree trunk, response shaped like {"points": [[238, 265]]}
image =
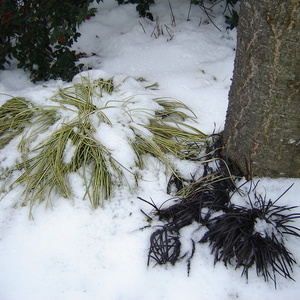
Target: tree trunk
{"points": [[262, 129]]}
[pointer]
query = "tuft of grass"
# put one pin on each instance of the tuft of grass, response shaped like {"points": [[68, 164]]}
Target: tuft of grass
{"points": [[78, 95], [48, 170], [42, 119], [172, 138], [164, 246], [84, 94], [15, 113], [18, 114], [246, 237], [167, 134], [173, 109], [72, 146]]}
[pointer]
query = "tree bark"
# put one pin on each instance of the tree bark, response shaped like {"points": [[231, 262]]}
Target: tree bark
{"points": [[262, 129]]}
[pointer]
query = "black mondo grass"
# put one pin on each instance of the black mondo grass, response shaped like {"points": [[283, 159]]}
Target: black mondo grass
{"points": [[255, 236], [165, 246], [250, 237], [195, 201]]}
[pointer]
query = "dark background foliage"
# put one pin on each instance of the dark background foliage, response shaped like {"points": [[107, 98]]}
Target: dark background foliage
{"points": [[38, 34], [143, 8]]}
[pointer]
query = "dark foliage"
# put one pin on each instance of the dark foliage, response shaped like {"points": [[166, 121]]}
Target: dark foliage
{"points": [[244, 237], [233, 19], [236, 239], [207, 8], [165, 246], [203, 195], [39, 35], [143, 7], [211, 191]]}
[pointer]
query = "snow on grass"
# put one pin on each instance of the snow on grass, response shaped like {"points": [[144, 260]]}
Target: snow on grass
{"points": [[70, 251]]}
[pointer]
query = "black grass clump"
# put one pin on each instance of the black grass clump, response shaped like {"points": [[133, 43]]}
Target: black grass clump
{"points": [[209, 192], [164, 246], [190, 209], [254, 235], [195, 201], [245, 237]]}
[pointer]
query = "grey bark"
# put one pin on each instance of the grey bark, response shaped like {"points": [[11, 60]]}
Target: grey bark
{"points": [[262, 129]]}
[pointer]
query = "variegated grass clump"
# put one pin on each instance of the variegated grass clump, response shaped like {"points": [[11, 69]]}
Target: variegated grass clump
{"points": [[17, 115], [91, 116], [14, 115]]}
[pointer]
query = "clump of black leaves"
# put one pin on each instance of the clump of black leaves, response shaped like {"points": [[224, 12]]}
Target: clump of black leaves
{"points": [[243, 237], [254, 235]]}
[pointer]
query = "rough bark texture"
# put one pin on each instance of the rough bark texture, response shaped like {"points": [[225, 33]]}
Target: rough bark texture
{"points": [[262, 130]]}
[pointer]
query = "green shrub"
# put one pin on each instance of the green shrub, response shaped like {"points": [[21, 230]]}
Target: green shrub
{"points": [[39, 35]]}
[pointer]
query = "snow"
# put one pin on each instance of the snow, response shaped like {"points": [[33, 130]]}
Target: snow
{"points": [[68, 250], [263, 228]]}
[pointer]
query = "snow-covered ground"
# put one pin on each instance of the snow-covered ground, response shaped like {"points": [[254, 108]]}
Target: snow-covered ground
{"points": [[70, 251]]}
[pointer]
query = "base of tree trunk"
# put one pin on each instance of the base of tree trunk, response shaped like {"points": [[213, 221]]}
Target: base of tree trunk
{"points": [[262, 130]]}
